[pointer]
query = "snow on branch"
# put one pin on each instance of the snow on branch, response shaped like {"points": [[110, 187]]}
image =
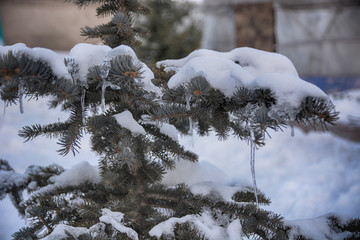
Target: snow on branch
{"points": [[243, 67], [261, 85]]}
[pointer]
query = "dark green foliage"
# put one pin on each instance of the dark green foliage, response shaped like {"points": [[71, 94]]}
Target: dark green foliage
{"points": [[26, 233], [14, 184], [316, 112], [185, 231], [173, 34], [120, 29], [132, 165], [36, 78], [249, 197], [249, 110]]}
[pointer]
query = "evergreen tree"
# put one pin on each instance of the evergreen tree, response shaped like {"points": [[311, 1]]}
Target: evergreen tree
{"points": [[173, 32], [127, 200]]}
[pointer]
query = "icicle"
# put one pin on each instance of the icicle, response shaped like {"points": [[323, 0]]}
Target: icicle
{"points": [[188, 99], [21, 94], [4, 108], [192, 142], [103, 88], [104, 72], [252, 164], [83, 104], [188, 107]]}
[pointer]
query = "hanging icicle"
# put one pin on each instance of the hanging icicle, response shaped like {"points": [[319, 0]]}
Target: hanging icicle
{"points": [[4, 108], [191, 129], [103, 88], [83, 93], [252, 164], [21, 94], [104, 72]]}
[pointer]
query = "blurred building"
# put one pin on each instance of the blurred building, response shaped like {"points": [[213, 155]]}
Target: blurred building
{"points": [[53, 24], [321, 37], [233, 23]]}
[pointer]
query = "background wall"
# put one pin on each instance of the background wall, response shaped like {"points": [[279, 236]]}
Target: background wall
{"points": [[322, 38], [53, 24]]}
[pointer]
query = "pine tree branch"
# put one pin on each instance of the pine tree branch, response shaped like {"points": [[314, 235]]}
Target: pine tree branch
{"points": [[51, 130]]}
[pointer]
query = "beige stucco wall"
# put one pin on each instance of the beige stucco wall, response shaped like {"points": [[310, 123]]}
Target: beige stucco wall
{"points": [[53, 24]]}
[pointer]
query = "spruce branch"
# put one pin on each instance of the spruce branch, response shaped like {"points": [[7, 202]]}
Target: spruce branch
{"points": [[248, 197], [124, 73], [317, 112], [70, 141], [51, 130], [26, 233], [116, 32], [35, 76], [70, 138]]}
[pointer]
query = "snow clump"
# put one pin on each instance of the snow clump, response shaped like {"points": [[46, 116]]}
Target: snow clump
{"points": [[126, 120], [244, 67]]}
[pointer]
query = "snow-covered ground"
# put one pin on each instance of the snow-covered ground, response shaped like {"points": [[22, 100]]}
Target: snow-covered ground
{"points": [[306, 176]]}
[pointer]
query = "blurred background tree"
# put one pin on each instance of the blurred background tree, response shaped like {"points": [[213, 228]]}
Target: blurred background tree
{"points": [[174, 31]]}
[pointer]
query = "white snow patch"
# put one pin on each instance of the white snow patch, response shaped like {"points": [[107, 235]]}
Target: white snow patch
{"points": [[8, 179], [126, 120], [55, 60], [115, 218], [78, 174], [220, 190], [243, 67], [316, 228], [288, 89], [256, 62], [61, 230], [204, 223], [194, 172], [348, 105], [222, 73], [164, 128], [202, 178], [169, 130], [32, 185], [234, 230], [87, 55]]}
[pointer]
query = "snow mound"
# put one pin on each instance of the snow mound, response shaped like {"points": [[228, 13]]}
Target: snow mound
{"points": [[115, 219], [56, 61], [318, 228], [84, 55], [348, 105], [63, 231], [126, 120], [79, 174], [88, 55], [204, 222], [169, 130], [243, 67], [255, 61], [192, 173]]}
